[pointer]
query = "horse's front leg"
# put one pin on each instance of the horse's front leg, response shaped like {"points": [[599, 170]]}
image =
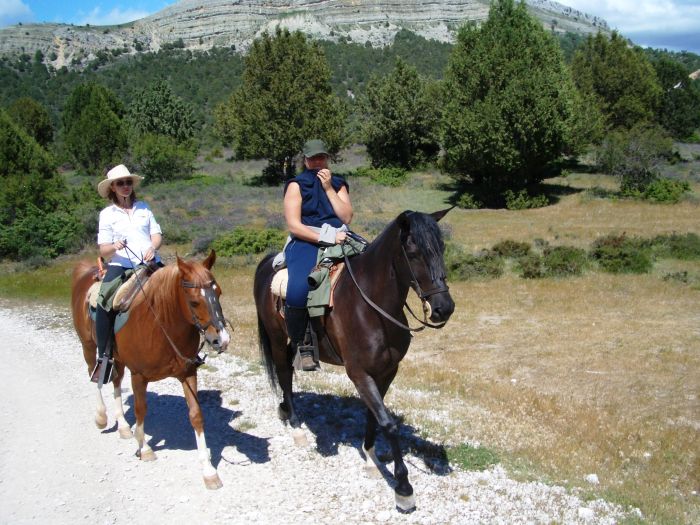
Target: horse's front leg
{"points": [[373, 396], [139, 385], [211, 477], [123, 427]]}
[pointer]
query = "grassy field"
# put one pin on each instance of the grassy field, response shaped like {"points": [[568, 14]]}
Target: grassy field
{"points": [[561, 378]]}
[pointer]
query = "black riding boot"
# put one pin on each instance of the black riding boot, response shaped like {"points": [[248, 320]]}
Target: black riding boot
{"points": [[297, 321], [104, 330]]}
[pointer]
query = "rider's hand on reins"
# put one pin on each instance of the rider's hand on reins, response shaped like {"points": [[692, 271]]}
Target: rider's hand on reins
{"points": [[340, 237]]}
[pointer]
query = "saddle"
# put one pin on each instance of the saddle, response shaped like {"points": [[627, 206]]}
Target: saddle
{"points": [[126, 293], [316, 336]]}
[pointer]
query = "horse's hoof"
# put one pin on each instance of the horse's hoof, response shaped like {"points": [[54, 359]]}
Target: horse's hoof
{"points": [[101, 422], [405, 504], [125, 433], [213, 482], [147, 455], [299, 437], [282, 413]]}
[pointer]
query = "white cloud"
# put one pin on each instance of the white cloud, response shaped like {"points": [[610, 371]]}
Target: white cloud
{"points": [[636, 16], [116, 16], [13, 11]]}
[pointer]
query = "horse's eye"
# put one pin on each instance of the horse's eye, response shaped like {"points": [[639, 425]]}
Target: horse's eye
{"points": [[193, 304]]}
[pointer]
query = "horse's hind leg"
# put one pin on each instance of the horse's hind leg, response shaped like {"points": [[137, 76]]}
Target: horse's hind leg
{"points": [[285, 375], [139, 385], [123, 427], [211, 477]]}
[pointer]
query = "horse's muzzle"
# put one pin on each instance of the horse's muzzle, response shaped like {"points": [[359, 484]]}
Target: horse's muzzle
{"points": [[441, 307], [220, 341]]}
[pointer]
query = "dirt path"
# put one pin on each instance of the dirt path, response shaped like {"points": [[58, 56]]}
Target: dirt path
{"points": [[56, 467]]}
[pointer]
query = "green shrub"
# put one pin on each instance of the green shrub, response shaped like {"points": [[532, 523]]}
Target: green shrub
{"points": [[523, 201], [467, 201], [462, 266], [676, 246], [666, 190], [562, 261], [162, 158], [620, 254], [244, 241], [392, 177], [512, 249], [531, 266], [36, 233], [468, 457]]}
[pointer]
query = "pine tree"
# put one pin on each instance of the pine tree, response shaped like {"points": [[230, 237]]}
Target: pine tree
{"points": [[619, 77], [512, 109], [34, 118], [285, 99], [157, 110], [94, 135], [679, 107], [400, 119]]}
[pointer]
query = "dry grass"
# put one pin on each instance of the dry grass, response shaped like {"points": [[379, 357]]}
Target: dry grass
{"points": [[595, 374]]}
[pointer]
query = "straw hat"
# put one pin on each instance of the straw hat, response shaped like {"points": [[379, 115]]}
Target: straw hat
{"points": [[116, 173]]}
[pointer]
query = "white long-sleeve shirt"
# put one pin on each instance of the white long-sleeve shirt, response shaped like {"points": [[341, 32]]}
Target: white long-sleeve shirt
{"points": [[116, 224]]}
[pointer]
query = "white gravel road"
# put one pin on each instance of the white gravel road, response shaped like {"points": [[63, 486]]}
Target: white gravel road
{"points": [[57, 467]]}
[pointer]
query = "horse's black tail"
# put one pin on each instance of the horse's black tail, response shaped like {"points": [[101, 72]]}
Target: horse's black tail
{"points": [[266, 354], [261, 292]]}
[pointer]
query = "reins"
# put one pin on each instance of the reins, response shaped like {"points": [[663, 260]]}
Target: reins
{"points": [[414, 285]]}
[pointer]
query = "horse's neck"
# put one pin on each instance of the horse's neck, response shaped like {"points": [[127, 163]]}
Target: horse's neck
{"points": [[376, 264], [162, 295]]}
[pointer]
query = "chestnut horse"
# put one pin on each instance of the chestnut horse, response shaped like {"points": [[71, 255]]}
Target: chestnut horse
{"points": [[160, 339], [367, 327]]}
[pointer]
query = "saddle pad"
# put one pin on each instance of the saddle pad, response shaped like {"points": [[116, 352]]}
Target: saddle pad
{"points": [[279, 283], [281, 277], [93, 292]]}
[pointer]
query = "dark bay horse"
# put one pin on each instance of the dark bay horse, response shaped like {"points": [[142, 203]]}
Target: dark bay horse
{"points": [[407, 254], [160, 339]]}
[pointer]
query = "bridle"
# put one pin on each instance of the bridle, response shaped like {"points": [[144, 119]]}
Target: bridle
{"points": [[216, 315], [415, 286]]}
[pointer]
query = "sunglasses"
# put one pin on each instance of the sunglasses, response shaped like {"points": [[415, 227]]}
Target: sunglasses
{"points": [[124, 182]]}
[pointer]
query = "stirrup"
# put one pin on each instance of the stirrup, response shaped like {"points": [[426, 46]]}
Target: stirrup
{"points": [[103, 371], [306, 359]]}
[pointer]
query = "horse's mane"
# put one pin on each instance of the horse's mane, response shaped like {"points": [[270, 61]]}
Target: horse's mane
{"points": [[427, 236], [164, 285]]}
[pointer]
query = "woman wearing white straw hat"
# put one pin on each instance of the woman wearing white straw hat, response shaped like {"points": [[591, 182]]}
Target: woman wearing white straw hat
{"points": [[128, 236]]}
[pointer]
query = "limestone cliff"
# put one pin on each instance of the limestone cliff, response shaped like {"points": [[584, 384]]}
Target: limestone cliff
{"points": [[202, 24]]}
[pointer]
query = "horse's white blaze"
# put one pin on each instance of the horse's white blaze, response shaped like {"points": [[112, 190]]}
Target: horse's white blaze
{"points": [[204, 456], [224, 338]]}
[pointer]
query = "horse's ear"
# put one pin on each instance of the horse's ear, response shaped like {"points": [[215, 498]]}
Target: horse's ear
{"points": [[437, 215], [181, 264], [403, 222], [210, 260]]}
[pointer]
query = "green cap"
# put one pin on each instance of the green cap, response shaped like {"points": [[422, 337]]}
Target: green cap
{"points": [[315, 147]]}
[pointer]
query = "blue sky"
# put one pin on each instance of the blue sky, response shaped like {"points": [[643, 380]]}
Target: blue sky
{"points": [[670, 24]]}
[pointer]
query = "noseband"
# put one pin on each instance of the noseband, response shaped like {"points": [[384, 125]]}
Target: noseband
{"points": [[216, 315]]}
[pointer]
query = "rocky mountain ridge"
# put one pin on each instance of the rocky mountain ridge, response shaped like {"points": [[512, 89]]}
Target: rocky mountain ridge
{"points": [[203, 24]]}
